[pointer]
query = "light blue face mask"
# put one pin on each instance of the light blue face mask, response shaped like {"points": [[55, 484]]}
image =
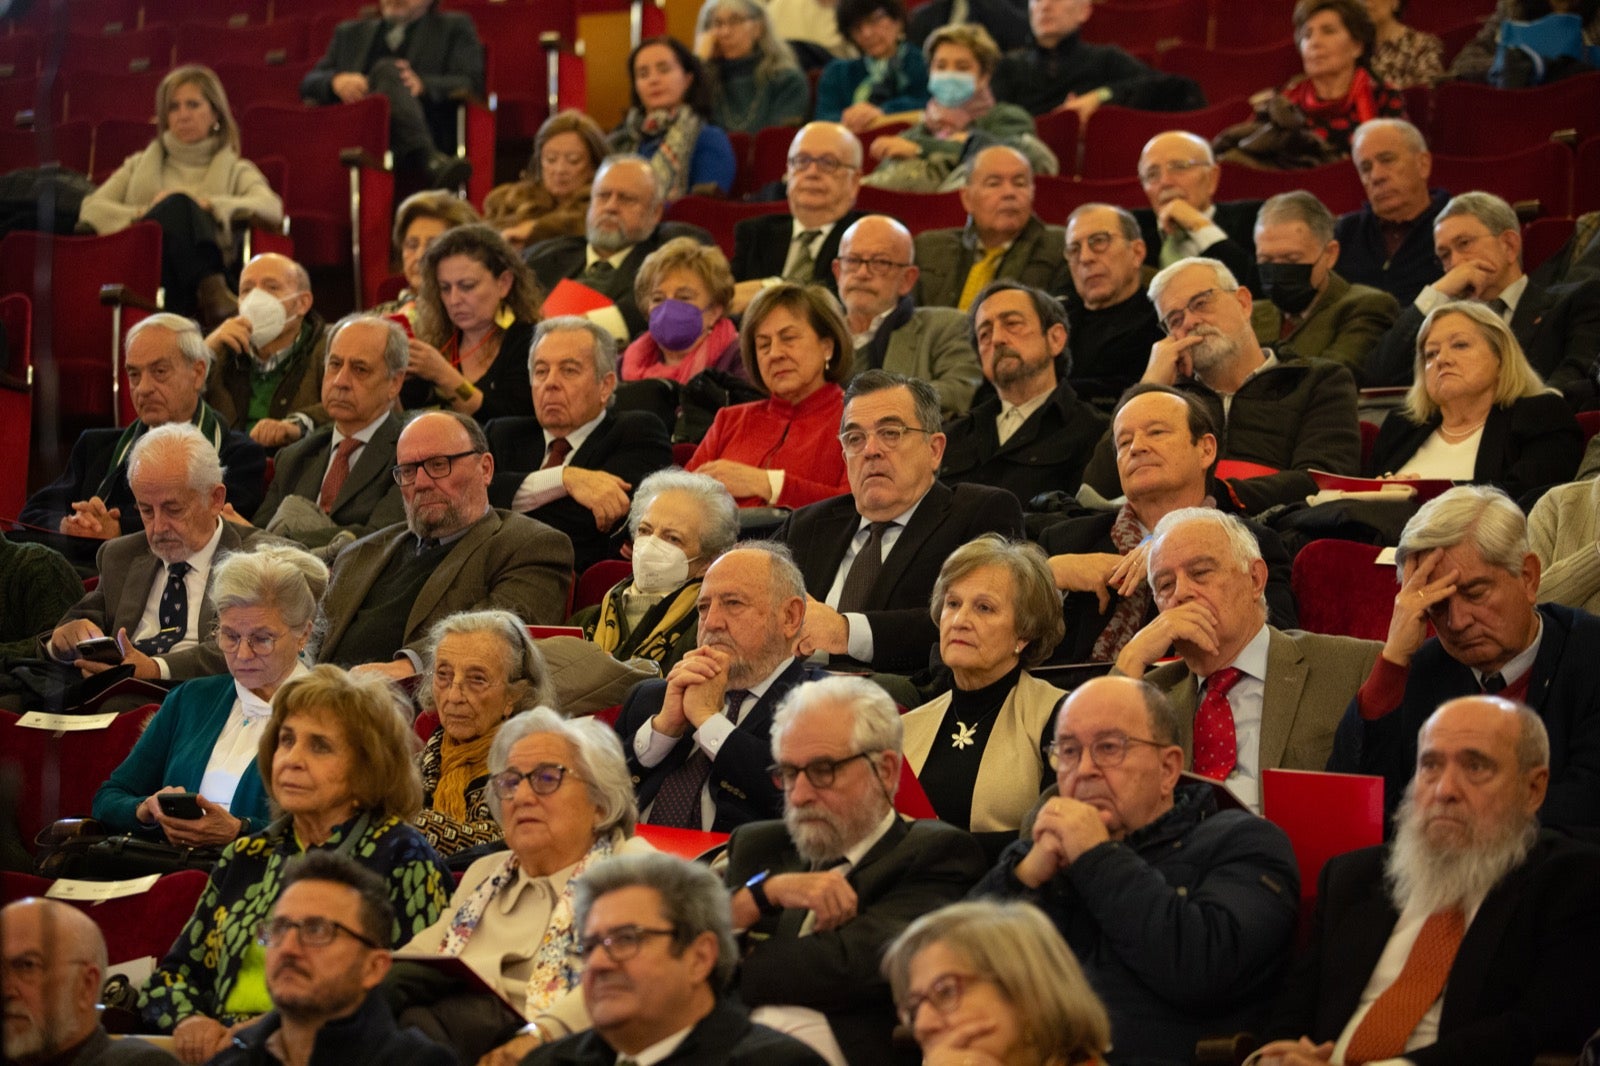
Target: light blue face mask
{"points": [[952, 88]]}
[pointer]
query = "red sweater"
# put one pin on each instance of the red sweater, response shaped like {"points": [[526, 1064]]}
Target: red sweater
{"points": [[801, 439]]}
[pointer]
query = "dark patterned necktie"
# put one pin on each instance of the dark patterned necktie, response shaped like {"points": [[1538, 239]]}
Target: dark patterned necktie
{"points": [[864, 570], [1493, 683], [802, 263], [172, 615], [677, 803], [599, 274]]}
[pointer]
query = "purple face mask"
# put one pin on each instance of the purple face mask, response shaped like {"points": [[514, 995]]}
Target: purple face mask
{"points": [[676, 325]]}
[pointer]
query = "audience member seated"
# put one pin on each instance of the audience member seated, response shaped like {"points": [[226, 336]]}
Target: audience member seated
{"points": [[811, 29], [478, 299], [999, 981], [812, 965], [551, 199], [781, 450], [669, 122], [961, 110], [572, 464], [1166, 450], [454, 552], [1181, 914], [1466, 570], [995, 606], [1563, 533], [680, 523], [624, 227], [1272, 699], [191, 181], [871, 558], [1401, 56], [1059, 71], [1003, 240], [421, 59], [335, 758], [421, 219], [887, 79], [323, 987], [698, 742], [1501, 908], [152, 594], [37, 587], [1476, 411], [685, 288], [1289, 417], [1180, 175], [1388, 242], [876, 272], [339, 479], [1006, 22], [823, 177], [678, 994], [1478, 241], [1475, 59], [1031, 434], [266, 378], [481, 668], [55, 965], [1109, 317], [204, 739], [1307, 311], [166, 361], [562, 794], [755, 81]]}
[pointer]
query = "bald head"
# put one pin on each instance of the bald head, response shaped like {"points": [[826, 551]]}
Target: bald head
{"points": [[64, 948], [998, 195], [1178, 165], [824, 173], [874, 268]]}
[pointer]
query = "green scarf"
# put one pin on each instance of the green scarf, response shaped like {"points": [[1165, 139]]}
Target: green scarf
{"points": [[205, 418]]}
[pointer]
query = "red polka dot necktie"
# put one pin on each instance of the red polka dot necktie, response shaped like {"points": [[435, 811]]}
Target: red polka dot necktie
{"points": [[1216, 747]]}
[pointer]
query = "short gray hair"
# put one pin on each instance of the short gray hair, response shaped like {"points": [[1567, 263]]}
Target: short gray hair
{"points": [[602, 345], [396, 347], [875, 719], [1412, 136], [924, 398], [1242, 544], [1126, 223], [717, 506], [185, 332], [658, 190], [784, 580], [1481, 514], [1297, 205], [202, 466], [526, 671], [1224, 277], [693, 900], [1495, 214], [279, 576], [597, 753]]}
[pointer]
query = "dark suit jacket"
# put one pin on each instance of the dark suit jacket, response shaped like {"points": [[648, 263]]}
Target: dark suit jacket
{"points": [[761, 248], [1046, 453], [368, 500], [945, 258], [914, 868], [741, 789], [903, 634], [505, 560], [629, 444], [1344, 324], [1517, 987], [566, 257], [1237, 251], [725, 1037], [1006, 22], [1527, 447]]}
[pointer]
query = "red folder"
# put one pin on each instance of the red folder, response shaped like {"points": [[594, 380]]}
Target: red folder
{"points": [[1426, 488], [573, 298], [1324, 814], [910, 800], [684, 843]]}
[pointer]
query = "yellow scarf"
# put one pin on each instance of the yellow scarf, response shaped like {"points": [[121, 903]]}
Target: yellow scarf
{"points": [[460, 763]]}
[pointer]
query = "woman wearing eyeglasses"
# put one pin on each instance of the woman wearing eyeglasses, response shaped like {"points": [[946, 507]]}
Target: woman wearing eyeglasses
{"points": [[564, 797], [784, 450], [336, 759], [978, 749], [993, 984], [482, 667], [204, 739]]}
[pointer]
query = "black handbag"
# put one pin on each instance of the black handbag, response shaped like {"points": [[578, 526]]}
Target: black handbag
{"points": [[81, 849]]}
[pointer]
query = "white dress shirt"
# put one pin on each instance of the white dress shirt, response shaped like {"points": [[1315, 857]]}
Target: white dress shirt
{"points": [[859, 645]]}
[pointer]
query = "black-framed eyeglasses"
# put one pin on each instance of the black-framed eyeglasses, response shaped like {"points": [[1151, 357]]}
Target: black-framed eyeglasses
{"points": [[890, 437], [1175, 169], [1095, 242], [1105, 751], [825, 163], [877, 265], [314, 932], [543, 779], [820, 772], [1200, 303], [622, 943], [437, 466], [943, 995]]}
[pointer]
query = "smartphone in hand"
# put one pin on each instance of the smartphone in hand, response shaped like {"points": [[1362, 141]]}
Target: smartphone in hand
{"points": [[185, 805], [100, 650]]}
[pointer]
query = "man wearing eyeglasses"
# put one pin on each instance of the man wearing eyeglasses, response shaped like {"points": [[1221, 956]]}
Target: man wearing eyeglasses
{"points": [[452, 553], [1182, 915], [876, 276], [1180, 176], [327, 948], [823, 892], [822, 180], [1108, 315]]}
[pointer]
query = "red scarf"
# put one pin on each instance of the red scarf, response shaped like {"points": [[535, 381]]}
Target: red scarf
{"points": [[1359, 101]]}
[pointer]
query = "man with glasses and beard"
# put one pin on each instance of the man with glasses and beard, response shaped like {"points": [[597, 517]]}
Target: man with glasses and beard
{"points": [[824, 891], [1468, 939]]}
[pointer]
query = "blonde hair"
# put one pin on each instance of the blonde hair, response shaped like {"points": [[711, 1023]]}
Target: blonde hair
{"points": [[971, 36], [1517, 378], [205, 79], [706, 261]]}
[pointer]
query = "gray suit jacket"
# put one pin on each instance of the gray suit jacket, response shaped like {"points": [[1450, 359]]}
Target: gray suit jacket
{"points": [[505, 560], [368, 500], [1310, 680], [1344, 324], [945, 256], [936, 346]]}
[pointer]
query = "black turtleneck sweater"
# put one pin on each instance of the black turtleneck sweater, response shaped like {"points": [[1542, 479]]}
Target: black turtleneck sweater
{"points": [[1039, 78]]}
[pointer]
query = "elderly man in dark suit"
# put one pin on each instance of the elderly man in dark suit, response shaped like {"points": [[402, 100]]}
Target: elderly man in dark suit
{"points": [[1468, 941], [574, 465], [870, 559], [338, 479], [421, 59], [822, 892], [1180, 177], [452, 553]]}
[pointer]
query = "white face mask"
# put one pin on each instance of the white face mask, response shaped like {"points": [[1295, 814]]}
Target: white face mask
{"points": [[265, 314], [657, 565]]}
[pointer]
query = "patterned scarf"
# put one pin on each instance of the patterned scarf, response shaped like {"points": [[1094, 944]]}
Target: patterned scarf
{"points": [[1128, 615], [1360, 101], [659, 629], [945, 122], [205, 418], [678, 129], [460, 763]]}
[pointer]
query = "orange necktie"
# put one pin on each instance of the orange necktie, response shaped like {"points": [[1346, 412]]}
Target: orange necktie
{"points": [[1394, 1015]]}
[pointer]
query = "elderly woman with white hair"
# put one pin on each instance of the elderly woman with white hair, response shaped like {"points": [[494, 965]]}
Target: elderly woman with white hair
{"points": [[564, 798], [754, 78]]}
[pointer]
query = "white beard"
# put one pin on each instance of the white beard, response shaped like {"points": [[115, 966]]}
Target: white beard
{"points": [[1431, 876]]}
